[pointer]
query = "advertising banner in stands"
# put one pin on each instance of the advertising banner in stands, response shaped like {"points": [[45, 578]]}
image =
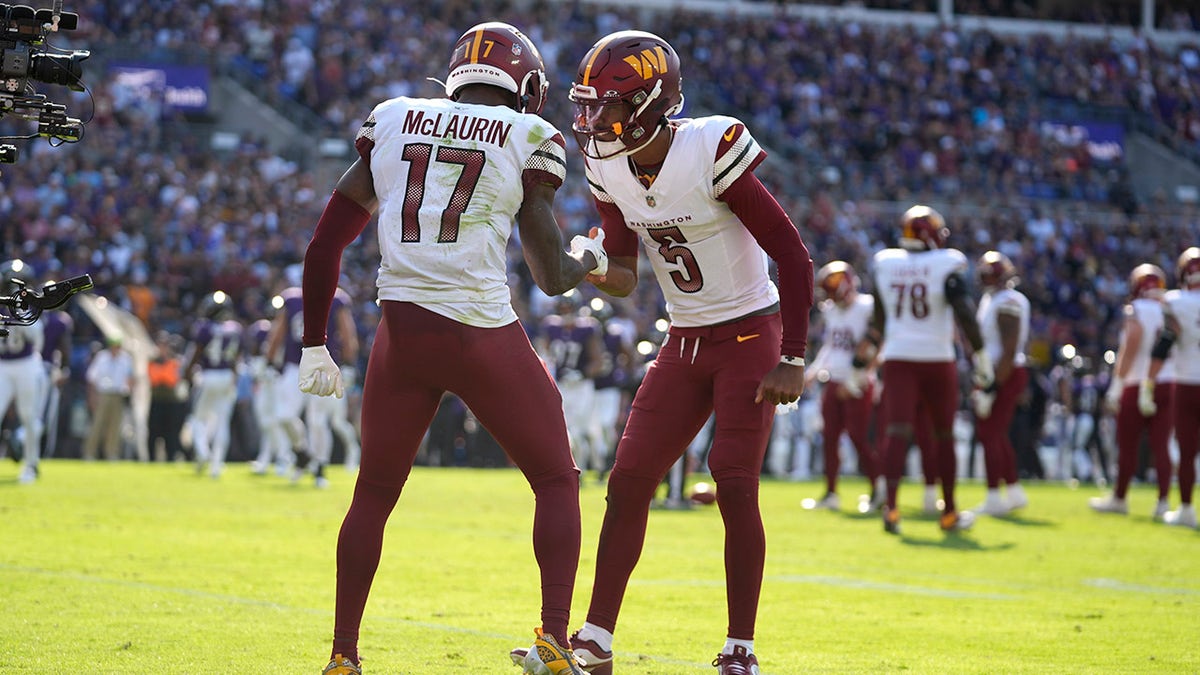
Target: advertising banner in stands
{"points": [[171, 88], [1105, 141]]}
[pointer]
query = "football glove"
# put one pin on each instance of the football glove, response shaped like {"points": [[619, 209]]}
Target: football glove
{"points": [[856, 382], [1146, 404], [319, 375], [982, 374], [582, 243], [982, 401], [1112, 397]]}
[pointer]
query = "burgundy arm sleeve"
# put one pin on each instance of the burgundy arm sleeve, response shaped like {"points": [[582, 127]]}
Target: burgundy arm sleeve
{"points": [[341, 223], [619, 240], [753, 204]]}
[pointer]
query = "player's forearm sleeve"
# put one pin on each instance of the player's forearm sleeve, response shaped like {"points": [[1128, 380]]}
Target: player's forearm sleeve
{"points": [[341, 223], [750, 201]]}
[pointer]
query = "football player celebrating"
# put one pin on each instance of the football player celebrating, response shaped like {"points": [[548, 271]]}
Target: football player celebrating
{"points": [[921, 293], [847, 396], [1181, 333], [1142, 404], [685, 190], [450, 177], [1004, 322]]}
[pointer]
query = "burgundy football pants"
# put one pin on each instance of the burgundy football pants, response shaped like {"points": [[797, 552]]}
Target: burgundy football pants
{"points": [[999, 458], [909, 387], [852, 416], [698, 371], [416, 357], [1187, 432], [1130, 426]]}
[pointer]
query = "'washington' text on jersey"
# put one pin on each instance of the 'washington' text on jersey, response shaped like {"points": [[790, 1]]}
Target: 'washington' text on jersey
{"points": [[460, 127], [633, 224]]}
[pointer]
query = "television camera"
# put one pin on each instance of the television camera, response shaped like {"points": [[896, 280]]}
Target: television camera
{"points": [[25, 306], [25, 58]]}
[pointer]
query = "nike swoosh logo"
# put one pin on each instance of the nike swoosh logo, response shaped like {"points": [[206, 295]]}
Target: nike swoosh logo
{"points": [[743, 338], [730, 134]]}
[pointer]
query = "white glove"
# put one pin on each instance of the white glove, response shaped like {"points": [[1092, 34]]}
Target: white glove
{"points": [[581, 243], [319, 375], [855, 383], [1146, 404], [983, 374], [982, 402], [1112, 397]]}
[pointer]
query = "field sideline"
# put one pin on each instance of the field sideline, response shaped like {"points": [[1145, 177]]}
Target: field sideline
{"points": [[136, 568]]}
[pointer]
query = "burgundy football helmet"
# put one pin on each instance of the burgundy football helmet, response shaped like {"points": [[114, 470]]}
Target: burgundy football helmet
{"points": [[627, 86], [923, 228], [1147, 281], [1187, 270], [836, 281], [498, 54], [995, 270]]}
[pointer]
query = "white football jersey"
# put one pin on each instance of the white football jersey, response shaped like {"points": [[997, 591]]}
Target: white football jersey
{"points": [[449, 177], [844, 329], [912, 287], [991, 306], [710, 268], [1185, 307], [1149, 313]]}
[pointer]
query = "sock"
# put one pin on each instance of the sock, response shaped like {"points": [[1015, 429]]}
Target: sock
{"points": [[601, 637], [931, 492], [730, 643], [993, 495]]}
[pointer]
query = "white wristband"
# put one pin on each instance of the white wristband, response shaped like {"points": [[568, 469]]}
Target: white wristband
{"points": [[792, 360]]}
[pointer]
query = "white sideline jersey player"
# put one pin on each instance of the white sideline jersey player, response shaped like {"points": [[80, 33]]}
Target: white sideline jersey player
{"points": [[23, 380]]}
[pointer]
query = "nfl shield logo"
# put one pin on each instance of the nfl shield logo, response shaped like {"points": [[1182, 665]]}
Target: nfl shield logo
{"points": [[650, 200]]}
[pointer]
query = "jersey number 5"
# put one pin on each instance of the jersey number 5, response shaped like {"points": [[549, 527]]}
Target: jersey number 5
{"points": [[418, 155], [669, 247]]}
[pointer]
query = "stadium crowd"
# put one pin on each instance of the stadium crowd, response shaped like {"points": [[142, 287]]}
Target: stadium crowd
{"points": [[861, 122]]}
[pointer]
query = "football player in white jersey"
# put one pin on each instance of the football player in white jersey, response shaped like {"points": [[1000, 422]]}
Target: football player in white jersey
{"points": [[846, 396], [450, 179], [1180, 337], [1004, 322], [920, 294], [23, 380], [325, 416], [684, 192], [1142, 404], [216, 350]]}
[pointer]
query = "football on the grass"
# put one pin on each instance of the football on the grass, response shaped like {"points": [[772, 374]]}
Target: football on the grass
{"points": [[703, 493]]}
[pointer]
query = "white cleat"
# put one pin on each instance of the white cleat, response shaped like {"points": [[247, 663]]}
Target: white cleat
{"points": [[1160, 509], [29, 474], [1109, 504], [830, 501], [1184, 517], [1016, 498], [994, 506]]}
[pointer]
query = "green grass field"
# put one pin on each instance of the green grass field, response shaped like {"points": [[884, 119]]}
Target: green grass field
{"points": [[134, 568]]}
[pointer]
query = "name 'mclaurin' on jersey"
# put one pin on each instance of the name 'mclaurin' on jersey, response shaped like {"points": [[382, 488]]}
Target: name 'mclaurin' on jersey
{"points": [[1184, 305], [1008, 301], [449, 178], [710, 268], [912, 288]]}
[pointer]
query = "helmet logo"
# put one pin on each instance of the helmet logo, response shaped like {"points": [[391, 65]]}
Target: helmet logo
{"points": [[516, 49], [649, 62]]}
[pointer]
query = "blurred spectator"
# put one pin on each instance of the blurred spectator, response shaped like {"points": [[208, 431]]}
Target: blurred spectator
{"points": [[110, 378]]}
